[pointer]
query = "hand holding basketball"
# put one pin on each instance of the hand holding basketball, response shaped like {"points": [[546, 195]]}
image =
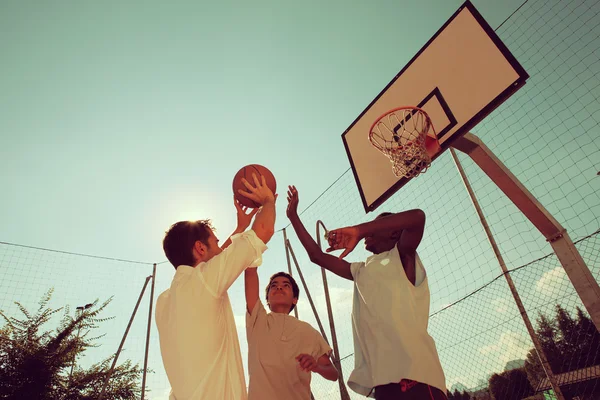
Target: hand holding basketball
{"points": [[243, 217], [292, 198], [260, 193], [343, 238], [264, 177]]}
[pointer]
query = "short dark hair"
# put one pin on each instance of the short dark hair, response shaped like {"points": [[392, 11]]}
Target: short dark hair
{"points": [[180, 238], [295, 288]]}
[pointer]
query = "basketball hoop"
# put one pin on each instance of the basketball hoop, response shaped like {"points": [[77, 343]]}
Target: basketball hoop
{"points": [[403, 135]]}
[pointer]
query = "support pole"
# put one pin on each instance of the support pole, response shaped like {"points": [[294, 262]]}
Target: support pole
{"points": [[579, 274], [536, 342], [114, 363], [148, 331], [336, 352], [287, 256], [310, 300]]}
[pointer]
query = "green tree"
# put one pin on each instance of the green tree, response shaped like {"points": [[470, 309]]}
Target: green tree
{"points": [[39, 364], [510, 385], [465, 396], [456, 395], [569, 344]]}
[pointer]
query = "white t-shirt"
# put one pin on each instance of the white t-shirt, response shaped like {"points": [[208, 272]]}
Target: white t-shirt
{"points": [[198, 338], [274, 341], [389, 325]]}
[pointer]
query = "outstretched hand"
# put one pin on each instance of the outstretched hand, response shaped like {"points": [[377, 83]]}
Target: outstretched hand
{"points": [[243, 217], [259, 192], [343, 238], [292, 198]]}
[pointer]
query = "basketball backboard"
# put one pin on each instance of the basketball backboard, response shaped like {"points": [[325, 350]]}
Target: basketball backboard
{"points": [[460, 76]]}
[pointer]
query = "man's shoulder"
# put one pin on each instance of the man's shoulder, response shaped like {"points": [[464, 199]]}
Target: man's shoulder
{"points": [[163, 296], [306, 327], [161, 303], [258, 308], [248, 235]]}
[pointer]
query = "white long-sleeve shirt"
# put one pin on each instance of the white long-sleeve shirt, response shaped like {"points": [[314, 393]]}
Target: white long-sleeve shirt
{"points": [[198, 338]]}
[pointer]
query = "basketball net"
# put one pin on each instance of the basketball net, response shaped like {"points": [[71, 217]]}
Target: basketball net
{"points": [[403, 136]]}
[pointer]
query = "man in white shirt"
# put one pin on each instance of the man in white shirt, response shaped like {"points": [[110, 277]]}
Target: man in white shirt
{"points": [[198, 338], [397, 360], [282, 350]]}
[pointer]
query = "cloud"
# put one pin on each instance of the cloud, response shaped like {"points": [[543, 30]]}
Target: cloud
{"points": [[510, 346], [502, 305], [552, 282]]}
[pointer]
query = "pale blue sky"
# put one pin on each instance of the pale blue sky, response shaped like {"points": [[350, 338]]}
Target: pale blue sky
{"points": [[120, 118]]}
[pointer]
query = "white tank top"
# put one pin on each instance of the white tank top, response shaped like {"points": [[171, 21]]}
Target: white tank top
{"points": [[389, 325]]}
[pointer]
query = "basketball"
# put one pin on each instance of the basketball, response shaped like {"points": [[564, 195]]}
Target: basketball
{"points": [[246, 172]]}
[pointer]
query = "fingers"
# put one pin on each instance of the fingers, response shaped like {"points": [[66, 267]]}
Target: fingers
{"points": [[292, 194], [334, 239], [237, 204], [254, 211], [251, 189], [345, 253], [258, 184], [249, 195], [248, 185], [306, 362]]}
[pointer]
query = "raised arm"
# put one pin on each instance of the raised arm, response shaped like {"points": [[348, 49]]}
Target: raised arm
{"points": [[336, 265], [243, 220], [251, 288], [405, 228], [409, 224], [264, 223]]}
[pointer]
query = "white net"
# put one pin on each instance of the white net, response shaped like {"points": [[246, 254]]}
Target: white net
{"points": [[401, 136]]}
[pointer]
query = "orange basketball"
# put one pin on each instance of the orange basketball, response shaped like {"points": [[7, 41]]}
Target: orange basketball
{"points": [[246, 172]]}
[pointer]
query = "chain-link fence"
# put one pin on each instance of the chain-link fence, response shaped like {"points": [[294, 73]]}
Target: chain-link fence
{"points": [[547, 134]]}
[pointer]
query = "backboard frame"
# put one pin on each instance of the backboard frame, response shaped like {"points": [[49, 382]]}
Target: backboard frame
{"points": [[435, 93]]}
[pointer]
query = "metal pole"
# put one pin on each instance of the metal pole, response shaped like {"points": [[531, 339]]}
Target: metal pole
{"points": [[337, 358], [148, 331], [287, 256], [307, 291], [536, 343], [112, 367], [579, 274]]}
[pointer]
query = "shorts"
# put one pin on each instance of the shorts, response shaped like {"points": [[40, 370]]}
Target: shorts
{"points": [[407, 389]]}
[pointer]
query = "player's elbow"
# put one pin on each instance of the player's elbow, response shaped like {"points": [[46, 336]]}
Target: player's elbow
{"points": [[420, 215], [330, 373], [334, 376], [265, 233], [316, 257]]}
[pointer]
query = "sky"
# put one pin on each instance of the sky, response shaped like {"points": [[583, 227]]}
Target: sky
{"points": [[118, 119], [122, 119]]}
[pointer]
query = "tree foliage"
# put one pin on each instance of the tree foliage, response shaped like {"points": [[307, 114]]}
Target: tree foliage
{"points": [[569, 343], [36, 363]]}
